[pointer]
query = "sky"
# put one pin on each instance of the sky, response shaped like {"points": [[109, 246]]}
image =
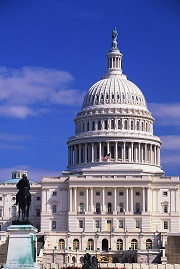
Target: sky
{"points": [[53, 51]]}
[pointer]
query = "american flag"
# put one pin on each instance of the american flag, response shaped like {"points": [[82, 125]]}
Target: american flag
{"points": [[107, 157]]}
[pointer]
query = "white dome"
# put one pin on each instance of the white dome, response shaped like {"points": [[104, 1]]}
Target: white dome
{"points": [[114, 90]]}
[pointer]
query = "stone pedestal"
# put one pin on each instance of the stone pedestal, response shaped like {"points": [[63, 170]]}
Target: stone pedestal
{"points": [[22, 247]]}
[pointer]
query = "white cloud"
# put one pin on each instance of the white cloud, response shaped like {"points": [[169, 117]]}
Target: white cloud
{"points": [[166, 114], [28, 91]]}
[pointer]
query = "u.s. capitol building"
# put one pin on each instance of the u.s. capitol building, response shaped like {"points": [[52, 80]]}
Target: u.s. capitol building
{"points": [[114, 200]]}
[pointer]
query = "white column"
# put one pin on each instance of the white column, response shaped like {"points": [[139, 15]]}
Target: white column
{"points": [[47, 190], [87, 199], [116, 152], [115, 199], [132, 151], [75, 199], [100, 152], [92, 152], [136, 153], [131, 199], [127, 206], [103, 199], [176, 200], [172, 199], [124, 152], [148, 200], [155, 152], [129, 152], [139, 152], [70, 199], [143, 189], [4, 205], [85, 153], [43, 200], [145, 148], [92, 208], [107, 147], [79, 153]]}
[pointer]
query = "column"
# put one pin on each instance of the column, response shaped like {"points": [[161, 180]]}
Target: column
{"points": [[151, 156], [158, 155], [75, 199], [85, 153], [46, 199], [145, 147], [103, 199], [92, 152], [100, 153], [132, 206], [148, 200], [87, 199], [176, 200], [4, 205], [127, 206], [157, 201], [129, 152], [92, 209], [79, 153], [116, 152], [124, 152], [69, 155], [155, 151], [43, 200], [143, 189], [136, 153], [108, 148], [139, 153], [115, 199], [132, 151], [70, 199]]}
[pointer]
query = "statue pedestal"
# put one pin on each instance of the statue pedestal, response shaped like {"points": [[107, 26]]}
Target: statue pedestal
{"points": [[22, 247]]}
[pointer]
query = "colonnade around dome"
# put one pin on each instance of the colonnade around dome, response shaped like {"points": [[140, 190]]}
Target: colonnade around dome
{"points": [[120, 152]]}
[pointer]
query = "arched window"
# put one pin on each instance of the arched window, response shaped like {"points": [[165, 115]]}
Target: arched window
{"points": [[125, 124], [148, 244], [90, 244], [109, 207], [61, 244], [119, 244], [132, 125], [142, 126], [137, 125], [112, 124], [99, 125], [119, 152], [127, 153], [98, 208], [119, 124], [134, 244], [81, 208], [105, 125], [75, 244]]}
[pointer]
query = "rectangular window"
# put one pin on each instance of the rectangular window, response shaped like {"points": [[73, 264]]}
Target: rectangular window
{"points": [[1, 212], [38, 212], [98, 193], [81, 193], [109, 193], [97, 223], [54, 208], [54, 193], [121, 223], [54, 225], [81, 223], [165, 208], [137, 193], [165, 224], [0, 198], [165, 193], [38, 198], [121, 193], [138, 223]]}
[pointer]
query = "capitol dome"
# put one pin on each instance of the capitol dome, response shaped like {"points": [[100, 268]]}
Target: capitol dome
{"points": [[114, 90], [114, 122]]}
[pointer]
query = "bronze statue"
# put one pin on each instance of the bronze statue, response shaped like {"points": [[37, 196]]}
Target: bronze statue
{"points": [[114, 34], [23, 197], [90, 262]]}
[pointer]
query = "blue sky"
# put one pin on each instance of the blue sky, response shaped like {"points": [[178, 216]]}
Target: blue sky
{"points": [[53, 51]]}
